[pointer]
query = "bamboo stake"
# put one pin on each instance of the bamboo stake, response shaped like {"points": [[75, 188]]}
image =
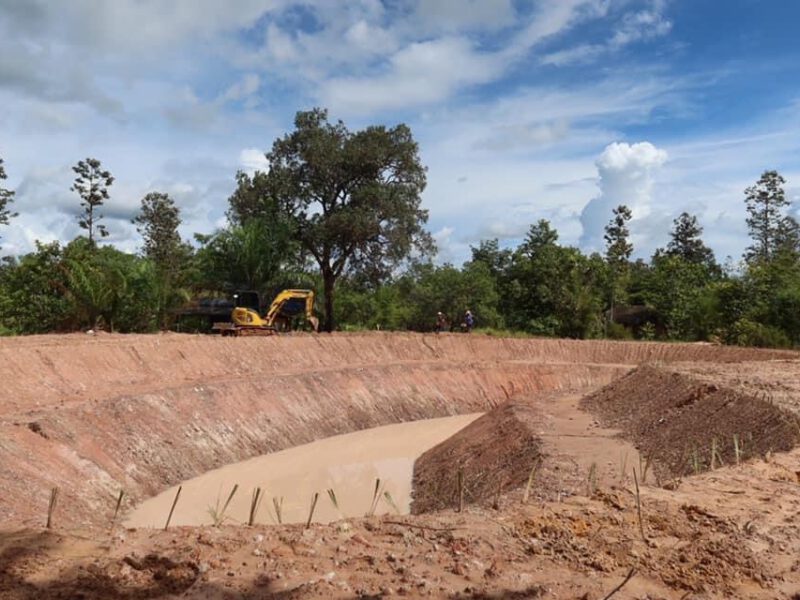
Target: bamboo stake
{"points": [[171, 510], [528, 485], [220, 518], [461, 490], [51, 507], [313, 506], [375, 498], [255, 502], [639, 506], [117, 507], [628, 577]]}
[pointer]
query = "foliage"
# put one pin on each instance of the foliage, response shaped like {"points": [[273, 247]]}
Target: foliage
{"points": [[766, 222], [353, 197], [618, 247], [340, 210], [32, 292], [157, 222], [91, 184], [251, 256], [169, 256], [6, 198], [686, 242]]}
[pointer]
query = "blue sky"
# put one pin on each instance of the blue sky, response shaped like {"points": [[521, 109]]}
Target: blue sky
{"points": [[524, 109]]}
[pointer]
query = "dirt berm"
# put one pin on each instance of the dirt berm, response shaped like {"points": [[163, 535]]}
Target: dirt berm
{"points": [[685, 424], [96, 414], [490, 456]]}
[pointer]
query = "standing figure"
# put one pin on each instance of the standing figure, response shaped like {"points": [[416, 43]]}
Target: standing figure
{"points": [[469, 321], [441, 322]]}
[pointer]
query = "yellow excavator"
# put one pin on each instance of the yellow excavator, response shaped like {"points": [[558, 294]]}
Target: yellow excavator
{"points": [[245, 320]]}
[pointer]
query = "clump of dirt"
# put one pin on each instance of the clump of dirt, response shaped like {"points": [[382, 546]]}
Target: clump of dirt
{"points": [[685, 425], [494, 453]]}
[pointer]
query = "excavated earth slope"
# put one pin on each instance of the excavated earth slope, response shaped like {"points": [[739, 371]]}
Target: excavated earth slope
{"points": [[96, 414]]}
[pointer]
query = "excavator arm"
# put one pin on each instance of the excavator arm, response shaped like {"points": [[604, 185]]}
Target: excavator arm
{"points": [[290, 303]]}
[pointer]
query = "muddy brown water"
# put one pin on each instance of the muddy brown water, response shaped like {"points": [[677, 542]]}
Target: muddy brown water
{"points": [[348, 464]]}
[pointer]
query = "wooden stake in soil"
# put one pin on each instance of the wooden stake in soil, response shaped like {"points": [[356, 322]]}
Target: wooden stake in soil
{"points": [[639, 505], [736, 449], [220, 518], [171, 510], [278, 504], [628, 577], [713, 453], [117, 507], [313, 506], [376, 496], [528, 485], [255, 502], [496, 503], [51, 507], [461, 490]]}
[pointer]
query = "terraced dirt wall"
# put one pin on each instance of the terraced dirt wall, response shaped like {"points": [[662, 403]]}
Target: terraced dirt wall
{"points": [[96, 414]]}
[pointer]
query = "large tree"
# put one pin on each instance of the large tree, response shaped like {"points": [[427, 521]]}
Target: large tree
{"points": [[352, 197], [91, 184], [6, 198], [618, 246], [686, 242], [766, 221], [618, 253], [157, 222]]}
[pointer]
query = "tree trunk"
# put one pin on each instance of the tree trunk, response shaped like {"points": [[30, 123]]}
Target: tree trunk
{"points": [[329, 281]]}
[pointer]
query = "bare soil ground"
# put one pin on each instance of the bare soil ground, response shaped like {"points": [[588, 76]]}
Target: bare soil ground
{"points": [[727, 534], [94, 415]]}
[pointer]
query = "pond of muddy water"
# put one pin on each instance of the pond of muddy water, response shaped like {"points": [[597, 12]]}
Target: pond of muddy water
{"points": [[347, 464]]}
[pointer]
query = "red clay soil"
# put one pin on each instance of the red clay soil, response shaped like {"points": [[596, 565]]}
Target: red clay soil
{"points": [[723, 535], [92, 415], [95, 414], [678, 420], [492, 454]]}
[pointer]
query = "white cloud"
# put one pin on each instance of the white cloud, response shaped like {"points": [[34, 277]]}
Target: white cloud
{"points": [[421, 73], [252, 160], [625, 174], [634, 27], [458, 15]]}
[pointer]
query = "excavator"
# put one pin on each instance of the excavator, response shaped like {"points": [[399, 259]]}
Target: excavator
{"points": [[245, 319]]}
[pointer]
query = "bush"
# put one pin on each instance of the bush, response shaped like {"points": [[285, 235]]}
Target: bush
{"points": [[750, 333]]}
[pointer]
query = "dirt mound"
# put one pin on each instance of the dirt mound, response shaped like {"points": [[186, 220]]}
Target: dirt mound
{"points": [[492, 454], [685, 425]]}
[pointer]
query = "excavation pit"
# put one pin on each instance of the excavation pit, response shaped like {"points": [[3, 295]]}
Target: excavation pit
{"points": [[93, 416]]}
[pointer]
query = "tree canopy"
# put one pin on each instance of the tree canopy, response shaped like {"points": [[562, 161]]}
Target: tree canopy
{"points": [[91, 184], [352, 198], [6, 198]]}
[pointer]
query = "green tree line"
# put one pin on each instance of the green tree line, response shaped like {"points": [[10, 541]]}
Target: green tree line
{"points": [[339, 211]]}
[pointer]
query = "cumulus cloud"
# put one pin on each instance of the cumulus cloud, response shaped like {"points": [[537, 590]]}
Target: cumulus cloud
{"points": [[625, 176]]}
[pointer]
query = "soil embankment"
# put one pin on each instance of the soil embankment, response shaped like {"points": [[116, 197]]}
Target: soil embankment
{"points": [[92, 415], [491, 455], [95, 414], [686, 424]]}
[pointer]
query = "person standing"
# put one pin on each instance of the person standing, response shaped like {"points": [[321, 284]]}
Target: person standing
{"points": [[441, 322], [469, 321]]}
